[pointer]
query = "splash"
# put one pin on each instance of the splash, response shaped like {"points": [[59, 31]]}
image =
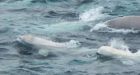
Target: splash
{"points": [[98, 27], [73, 44], [118, 44], [92, 14]]}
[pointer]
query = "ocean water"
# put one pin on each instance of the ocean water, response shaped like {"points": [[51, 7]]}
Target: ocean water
{"points": [[64, 20]]}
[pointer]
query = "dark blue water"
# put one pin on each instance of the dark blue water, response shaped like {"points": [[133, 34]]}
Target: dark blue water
{"points": [[63, 20]]}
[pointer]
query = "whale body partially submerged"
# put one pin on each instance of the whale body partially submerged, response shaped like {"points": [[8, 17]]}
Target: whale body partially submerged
{"points": [[126, 22], [45, 45], [118, 53]]}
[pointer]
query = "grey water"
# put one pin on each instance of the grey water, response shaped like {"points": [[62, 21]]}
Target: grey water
{"points": [[63, 20]]}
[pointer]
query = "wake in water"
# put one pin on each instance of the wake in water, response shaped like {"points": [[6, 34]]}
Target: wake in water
{"points": [[65, 27], [91, 15]]}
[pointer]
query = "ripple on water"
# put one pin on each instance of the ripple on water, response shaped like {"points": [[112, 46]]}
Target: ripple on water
{"points": [[4, 30]]}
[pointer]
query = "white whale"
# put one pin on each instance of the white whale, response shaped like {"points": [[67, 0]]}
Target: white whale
{"points": [[126, 22], [118, 53], [45, 44]]}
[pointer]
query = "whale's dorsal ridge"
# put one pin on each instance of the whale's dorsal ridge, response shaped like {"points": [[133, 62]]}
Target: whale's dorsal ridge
{"points": [[125, 22]]}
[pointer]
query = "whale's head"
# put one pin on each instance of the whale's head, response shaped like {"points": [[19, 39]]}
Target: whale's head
{"points": [[104, 50], [113, 52], [25, 39], [116, 53]]}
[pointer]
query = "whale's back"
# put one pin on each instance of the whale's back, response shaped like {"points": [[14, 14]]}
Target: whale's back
{"points": [[127, 22]]}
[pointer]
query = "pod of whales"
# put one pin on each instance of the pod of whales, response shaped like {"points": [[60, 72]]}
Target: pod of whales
{"points": [[126, 22], [44, 46]]}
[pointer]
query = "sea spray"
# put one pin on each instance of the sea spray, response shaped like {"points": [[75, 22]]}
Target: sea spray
{"points": [[92, 14], [118, 44]]}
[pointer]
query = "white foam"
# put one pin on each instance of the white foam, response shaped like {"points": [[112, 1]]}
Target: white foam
{"points": [[73, 44], [92, 14], [98, 26], [119, 44], [124, 31]]}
